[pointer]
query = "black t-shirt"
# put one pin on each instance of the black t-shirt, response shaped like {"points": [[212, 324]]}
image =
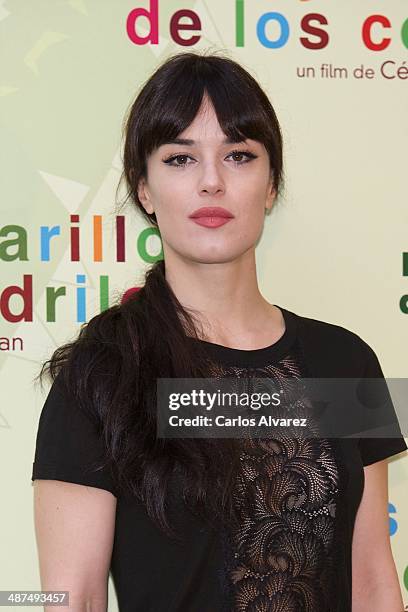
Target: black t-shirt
{"points": [[293, 551]]}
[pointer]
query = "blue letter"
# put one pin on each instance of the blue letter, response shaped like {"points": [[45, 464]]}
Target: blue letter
{"points": [[260, 30]]}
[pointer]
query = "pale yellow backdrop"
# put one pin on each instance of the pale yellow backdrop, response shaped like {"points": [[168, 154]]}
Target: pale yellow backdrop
{"points": [[332, 249]]}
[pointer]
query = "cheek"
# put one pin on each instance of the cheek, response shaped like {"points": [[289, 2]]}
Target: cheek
{"points": [[173, 196], [251, 189], [251, 201], [251, 215], [252, 222]]}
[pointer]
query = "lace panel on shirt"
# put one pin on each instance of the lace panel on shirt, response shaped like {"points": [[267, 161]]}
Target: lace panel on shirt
{"points": [[281, 558]]}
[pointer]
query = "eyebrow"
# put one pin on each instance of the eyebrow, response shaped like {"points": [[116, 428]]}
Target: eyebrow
{"points": [[190, 142]]}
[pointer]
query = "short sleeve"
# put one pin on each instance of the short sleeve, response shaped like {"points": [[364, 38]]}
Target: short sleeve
{"points": [[376, 448], [69, 445]]}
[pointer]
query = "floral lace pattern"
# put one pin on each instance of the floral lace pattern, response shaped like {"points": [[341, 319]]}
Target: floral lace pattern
{"points": [[280, 558]]}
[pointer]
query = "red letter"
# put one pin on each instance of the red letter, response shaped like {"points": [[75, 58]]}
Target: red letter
{"points": [[152, 16], [26, 294], [366, 31], [309, 29], [128, 294], [175, 26]]}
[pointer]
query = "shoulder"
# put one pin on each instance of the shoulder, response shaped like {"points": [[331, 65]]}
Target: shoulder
{"points": [[334, 342], [330, 333]]}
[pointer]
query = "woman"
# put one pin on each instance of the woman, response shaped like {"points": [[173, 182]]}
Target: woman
{"points": [[205, 525]]}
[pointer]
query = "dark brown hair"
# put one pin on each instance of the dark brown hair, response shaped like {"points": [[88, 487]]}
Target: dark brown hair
{"points": [[112, 365]]}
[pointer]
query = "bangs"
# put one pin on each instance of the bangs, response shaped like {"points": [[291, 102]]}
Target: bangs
{"points": [[237, 105]]}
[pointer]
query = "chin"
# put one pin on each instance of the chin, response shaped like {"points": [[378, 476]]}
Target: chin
{"points": [[215, 257]]}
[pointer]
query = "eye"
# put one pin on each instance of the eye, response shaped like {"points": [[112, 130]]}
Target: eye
{"points": [[170, 160], [248, 154]]}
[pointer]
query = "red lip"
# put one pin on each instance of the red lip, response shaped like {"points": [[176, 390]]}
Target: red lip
{"points": [[211, 211]]}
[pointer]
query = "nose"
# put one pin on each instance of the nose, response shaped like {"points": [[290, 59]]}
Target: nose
{"points": [[211, 180]]}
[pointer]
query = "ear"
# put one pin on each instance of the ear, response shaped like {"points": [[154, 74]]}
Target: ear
{"points": [[270, 198], [144, 196]]}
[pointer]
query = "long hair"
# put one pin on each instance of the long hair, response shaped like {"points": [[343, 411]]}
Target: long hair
{"points": [[113, 363]]}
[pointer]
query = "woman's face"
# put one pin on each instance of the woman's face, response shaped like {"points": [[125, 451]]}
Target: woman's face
{"points": [[185, 177]]}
